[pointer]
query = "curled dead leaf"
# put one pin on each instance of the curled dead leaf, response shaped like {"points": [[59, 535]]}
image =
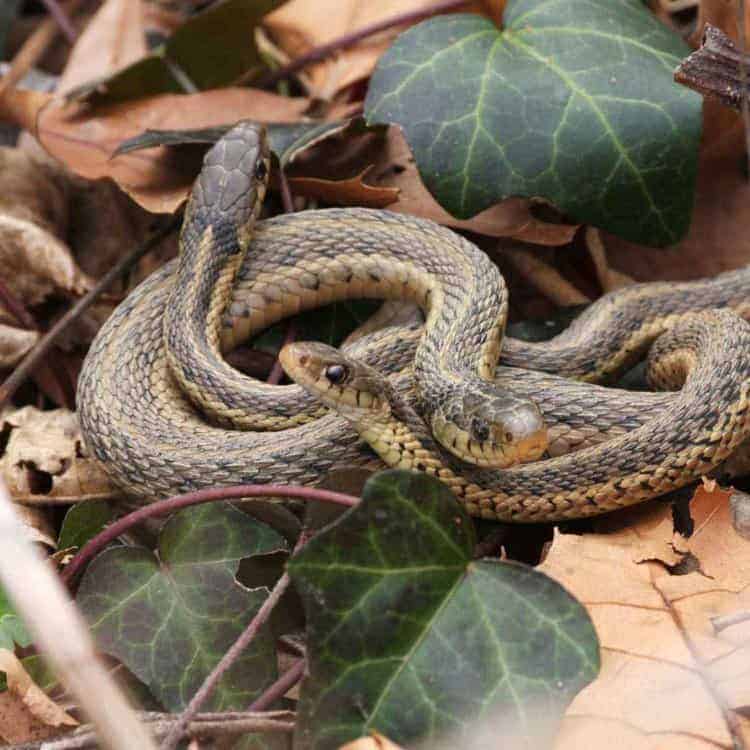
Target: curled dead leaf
{"points": [[15, 344], [351, 192], [44, 460], [33, 222], [112, 39], [26, 713], [158, 179]]}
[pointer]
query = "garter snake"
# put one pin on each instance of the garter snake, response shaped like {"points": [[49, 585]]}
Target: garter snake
{"points": [[138, 421]]}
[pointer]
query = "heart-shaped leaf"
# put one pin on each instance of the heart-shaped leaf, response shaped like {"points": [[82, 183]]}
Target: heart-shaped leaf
{"points": [[410, 637], [170, 618], [573, 101]]}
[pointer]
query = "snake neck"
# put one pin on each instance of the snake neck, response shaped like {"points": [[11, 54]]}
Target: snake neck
{"points": [[219, 221]]}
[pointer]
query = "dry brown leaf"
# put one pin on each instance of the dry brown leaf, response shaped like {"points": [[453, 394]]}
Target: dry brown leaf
{"points": [[26, 713], [44, 460], [113, 39], [668, 679], [158, 179], [33, 222], [296, 28], [375, 741], [395, 167], [15, 344], [352, 192]]}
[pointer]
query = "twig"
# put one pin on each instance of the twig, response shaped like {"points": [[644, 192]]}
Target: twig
{"points": [[164, 507], [714, 69], [348, 40], [286, 192], [32, 359], [62, 635], [279, 688], [229, 724], [16, 308], [61, 18], [277, 371], [225, 663], [609, 278]]}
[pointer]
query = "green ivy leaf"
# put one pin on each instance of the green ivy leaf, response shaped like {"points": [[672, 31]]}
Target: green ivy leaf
{"points": [[12, 630], [170, 617], [82, 522], [410, 637], [574, 102]]}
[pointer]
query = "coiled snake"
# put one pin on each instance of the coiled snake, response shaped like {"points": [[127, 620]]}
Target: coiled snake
{"points": [[137, 418]]}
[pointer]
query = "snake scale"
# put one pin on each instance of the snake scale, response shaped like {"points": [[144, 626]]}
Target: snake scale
{"points": [[137, 419]]}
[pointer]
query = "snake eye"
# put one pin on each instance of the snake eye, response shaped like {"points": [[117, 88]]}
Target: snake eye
{"points": [[336, 374], [480, 430], [261, 170]]}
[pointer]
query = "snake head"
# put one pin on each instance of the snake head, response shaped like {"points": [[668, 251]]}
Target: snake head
{"points": [[488, 428], [348, 386], [228, 195]]}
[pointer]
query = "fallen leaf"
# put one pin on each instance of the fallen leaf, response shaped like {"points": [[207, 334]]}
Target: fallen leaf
{"points": [[15, 344], [34, 258], [296, 27], [352, 192], [26, 713], [157, 179], [43, 461], [668, 678], [112, 39], [213, 48]]}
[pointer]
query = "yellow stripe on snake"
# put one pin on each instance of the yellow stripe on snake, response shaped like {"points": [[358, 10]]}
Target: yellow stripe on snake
{"points": [[137, 418]]}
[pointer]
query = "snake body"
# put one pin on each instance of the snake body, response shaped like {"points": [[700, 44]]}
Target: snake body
{"points": [[139, 422]]}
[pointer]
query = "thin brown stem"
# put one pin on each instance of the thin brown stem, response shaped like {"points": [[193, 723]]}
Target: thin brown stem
{"points": [[348, 40], [32, 359], [714, 69], [61, 19], [277, 371], [279, 688], [225, 663], [229, 724], [286, 192], [164, 507]]}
